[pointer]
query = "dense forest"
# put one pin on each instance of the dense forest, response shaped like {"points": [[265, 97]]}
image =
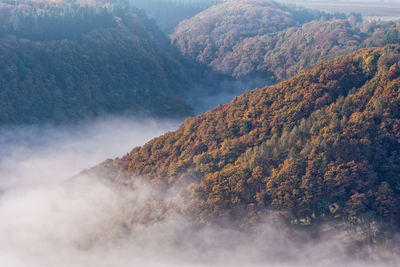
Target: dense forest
{"points": [[323, 145], [303, 171], [248, 39], [68, 60], [212, 34]]}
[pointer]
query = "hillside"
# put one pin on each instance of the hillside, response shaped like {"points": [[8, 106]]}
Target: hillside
{"points": [[62, 62], [281, 42], [322, 145], [218, 31], [287, 53]]}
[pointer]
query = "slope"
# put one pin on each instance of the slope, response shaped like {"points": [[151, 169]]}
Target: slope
{"points": [[273, 42], [322, 145], [218, 31], [63, 62]]}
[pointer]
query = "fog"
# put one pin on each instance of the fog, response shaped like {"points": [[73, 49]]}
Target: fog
{"points": [[47, 219], [204, 98], [32, 155]]}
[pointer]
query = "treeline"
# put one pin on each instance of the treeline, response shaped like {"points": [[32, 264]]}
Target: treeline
{"points": [[52, 22]]}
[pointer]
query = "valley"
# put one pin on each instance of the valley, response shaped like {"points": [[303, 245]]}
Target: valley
{"points": [[169, 133]]}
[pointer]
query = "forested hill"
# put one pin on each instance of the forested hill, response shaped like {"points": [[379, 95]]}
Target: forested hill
{"points": [[212, 35], [65, 60], [324, 144], [271, 41]]}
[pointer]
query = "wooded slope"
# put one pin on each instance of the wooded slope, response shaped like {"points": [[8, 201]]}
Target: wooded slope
{"points": [[62, 62], [324, 144]]}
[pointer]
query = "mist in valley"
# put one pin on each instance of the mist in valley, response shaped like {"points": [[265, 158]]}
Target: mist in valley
{"points": [[51, 217], [36, 154], [52, 213]]}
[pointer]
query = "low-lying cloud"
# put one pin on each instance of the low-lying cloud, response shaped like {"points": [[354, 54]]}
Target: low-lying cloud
{"points": [[47, 219], [32, 155]]}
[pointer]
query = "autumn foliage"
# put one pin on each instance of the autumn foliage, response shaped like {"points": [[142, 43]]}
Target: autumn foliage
{"points": [[324, 144], [262, 39]]}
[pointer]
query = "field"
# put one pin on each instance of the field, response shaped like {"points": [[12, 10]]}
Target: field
{"points": [[384, 10]]}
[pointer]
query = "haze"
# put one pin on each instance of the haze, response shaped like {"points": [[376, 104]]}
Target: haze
{"points": [[48, 220], [53, 213]]}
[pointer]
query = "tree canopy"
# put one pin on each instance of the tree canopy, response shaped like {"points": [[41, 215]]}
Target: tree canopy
{"points": [[66, 61], [263, 39], [324, 144]]}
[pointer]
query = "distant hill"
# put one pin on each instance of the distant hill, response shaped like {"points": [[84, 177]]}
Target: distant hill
{"points": [[281, 55], [250, 39], [66, 60], [212, 36], [323, 145]]}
